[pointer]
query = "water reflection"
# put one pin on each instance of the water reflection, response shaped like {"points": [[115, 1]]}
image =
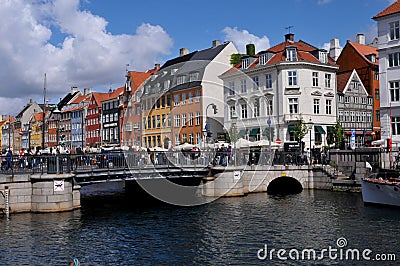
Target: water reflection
{"points": [[120, 230]]}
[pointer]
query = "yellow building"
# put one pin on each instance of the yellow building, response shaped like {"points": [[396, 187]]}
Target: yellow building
{"points": [[156, 121], [36, 133]]}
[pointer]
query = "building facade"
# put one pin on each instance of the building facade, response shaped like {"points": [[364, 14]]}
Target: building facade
{"points": [[275, 89], [389, 68], [176, 98], [355, 109], [364, 59]]}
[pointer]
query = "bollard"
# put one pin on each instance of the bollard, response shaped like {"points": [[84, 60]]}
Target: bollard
{"points": [[6, 201]]}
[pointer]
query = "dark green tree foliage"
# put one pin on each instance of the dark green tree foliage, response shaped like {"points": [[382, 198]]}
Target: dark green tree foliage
{"points": [[251, 49], [235, 59]]}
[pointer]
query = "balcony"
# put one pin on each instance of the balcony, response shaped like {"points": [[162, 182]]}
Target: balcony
{"points": [[291, 117]]}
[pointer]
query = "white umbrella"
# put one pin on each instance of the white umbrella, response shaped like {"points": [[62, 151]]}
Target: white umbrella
{"points": [[185, 146], [264, 143], [242, 143]]}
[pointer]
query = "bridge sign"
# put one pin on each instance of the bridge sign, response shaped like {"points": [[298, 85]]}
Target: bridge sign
{"points": [[58, 185], [353, 139]]}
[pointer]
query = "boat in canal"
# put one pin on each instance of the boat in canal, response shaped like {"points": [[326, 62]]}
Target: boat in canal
{"points": [[382, 188]]}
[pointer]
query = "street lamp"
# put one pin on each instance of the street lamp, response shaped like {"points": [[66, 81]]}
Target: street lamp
{"points": [[208, 126], [234, 117], [310, 126]]}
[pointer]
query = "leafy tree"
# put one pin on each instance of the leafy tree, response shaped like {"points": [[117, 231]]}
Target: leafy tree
{"points": [[338, 134], [233, 134], [236, 59], [301, 130]]}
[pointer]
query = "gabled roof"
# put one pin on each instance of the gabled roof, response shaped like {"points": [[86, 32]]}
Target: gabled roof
{"points": [[99, 97], [305, 53], [137, 78], [344, 80], [365, 50], [392, 9], [81, 98], [64, 101]]}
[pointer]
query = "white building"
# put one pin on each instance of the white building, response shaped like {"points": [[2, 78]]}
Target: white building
{"points": [[288, 82], [389, 64]]}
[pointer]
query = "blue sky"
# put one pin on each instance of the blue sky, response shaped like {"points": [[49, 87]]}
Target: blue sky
{"points": [[88, 43]]}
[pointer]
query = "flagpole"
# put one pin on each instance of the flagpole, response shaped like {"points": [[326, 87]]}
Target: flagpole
{"points": [[44, 111]]}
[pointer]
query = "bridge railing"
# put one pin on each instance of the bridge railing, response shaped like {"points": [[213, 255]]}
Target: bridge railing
{"points": [[67, 163]]}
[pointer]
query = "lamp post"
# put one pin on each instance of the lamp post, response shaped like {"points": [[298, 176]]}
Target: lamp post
{"points": [[208, 126], [234, 118], [310, 126], [56, 112]]}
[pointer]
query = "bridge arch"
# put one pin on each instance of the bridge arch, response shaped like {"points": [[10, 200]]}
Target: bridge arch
{"points": [[284, 185]]}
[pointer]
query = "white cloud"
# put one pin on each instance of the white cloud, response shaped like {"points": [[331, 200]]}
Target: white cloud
{"points": [[89, 56], [242, 37]]}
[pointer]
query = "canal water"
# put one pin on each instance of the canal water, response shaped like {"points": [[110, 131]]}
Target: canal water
{"points": [[112, 229]]}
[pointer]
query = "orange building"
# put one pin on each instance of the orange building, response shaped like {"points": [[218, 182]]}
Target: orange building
{"points": [[364, 59], [186, 116]]}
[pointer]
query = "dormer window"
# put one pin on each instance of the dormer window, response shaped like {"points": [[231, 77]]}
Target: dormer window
{"points": [[193, 76], [180, 80], [291, 54], [245, 62], [323, 57], [372, 58]]}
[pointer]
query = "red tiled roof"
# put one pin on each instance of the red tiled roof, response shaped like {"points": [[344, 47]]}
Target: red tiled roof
{"points": [[99, 97], [342, 80], [393, 9], [304, 54], [137, 78], [365, 50]]}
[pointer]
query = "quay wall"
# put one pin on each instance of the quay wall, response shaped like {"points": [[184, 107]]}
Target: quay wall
{"points": [[39, 193]]}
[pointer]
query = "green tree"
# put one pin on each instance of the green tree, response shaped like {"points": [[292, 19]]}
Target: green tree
{"points": [[338, 134], [233, 134], [301, 130], [236, 59]]}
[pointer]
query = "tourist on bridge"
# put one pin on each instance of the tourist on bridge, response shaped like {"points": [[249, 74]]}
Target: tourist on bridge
{"points": [[9, 164], [21, 163]]}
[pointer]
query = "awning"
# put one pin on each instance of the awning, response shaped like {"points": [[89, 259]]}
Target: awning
{"points": [[292, 128], [319, 129], [242, 132], [254, 131], [266, 131], [330, 129]]}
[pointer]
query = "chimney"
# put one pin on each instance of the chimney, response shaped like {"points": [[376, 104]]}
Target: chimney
{"points": [[361, 38], [183, 51], [215, 43], [335, 49], [156, 66], [289, 37], [74, 89], [30, 101], [86, 91], [250, 49]]}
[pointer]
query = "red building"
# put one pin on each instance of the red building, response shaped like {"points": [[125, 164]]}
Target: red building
{"points": [[93, 119], [364, 59]]}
